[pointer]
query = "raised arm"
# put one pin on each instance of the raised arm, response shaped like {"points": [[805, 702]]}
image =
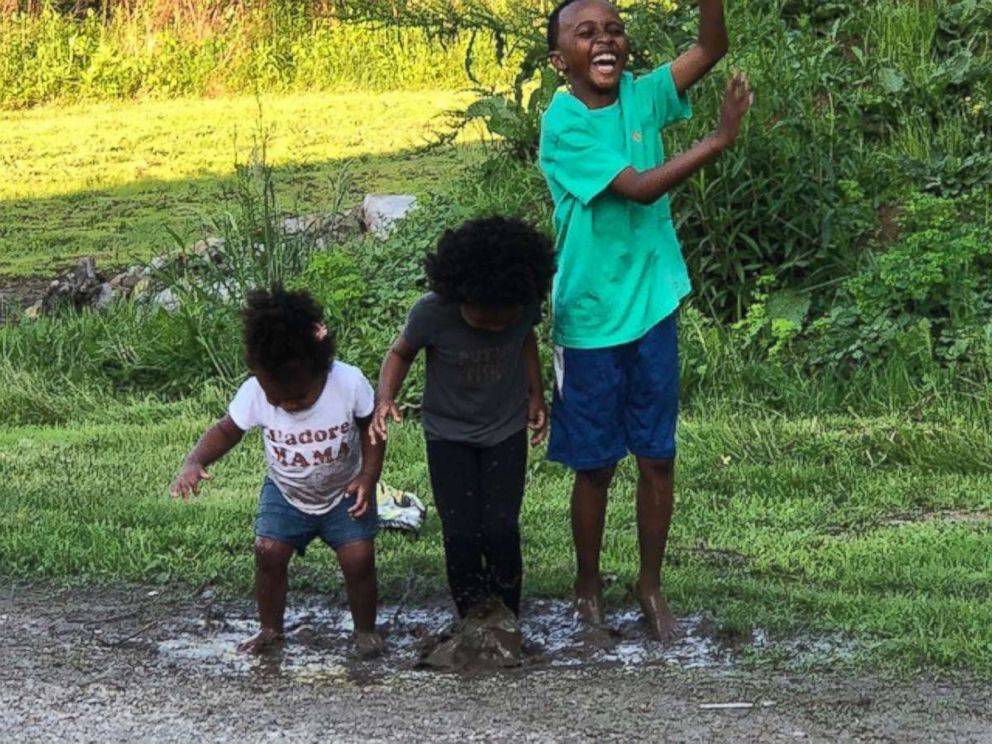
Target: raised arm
{"points": [[710, 47], [216, 442], [395, 368], [646, 187]]}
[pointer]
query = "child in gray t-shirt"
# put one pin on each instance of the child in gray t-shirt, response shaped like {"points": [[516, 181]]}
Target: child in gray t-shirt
{"points": [[488, 279]]}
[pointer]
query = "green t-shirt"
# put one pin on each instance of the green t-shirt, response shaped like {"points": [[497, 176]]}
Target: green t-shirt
{"points": [[620, 266]]}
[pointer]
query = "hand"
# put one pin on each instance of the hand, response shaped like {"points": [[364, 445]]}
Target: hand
{"points": [[187, 483], [384, 410], [737, 99], [537, 419], [363, 489]]}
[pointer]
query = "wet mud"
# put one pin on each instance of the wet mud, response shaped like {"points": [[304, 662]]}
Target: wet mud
{"points": [[161, 665]]}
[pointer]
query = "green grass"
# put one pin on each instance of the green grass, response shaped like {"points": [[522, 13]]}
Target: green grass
{"points": [[874, 527], [106, 179]]}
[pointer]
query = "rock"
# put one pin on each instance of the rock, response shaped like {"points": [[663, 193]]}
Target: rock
{"points": [[34, 311], [209, 248], [126, 282], [82, 287], [105, 295], [141, 287], [167, 300], [380, 212]]}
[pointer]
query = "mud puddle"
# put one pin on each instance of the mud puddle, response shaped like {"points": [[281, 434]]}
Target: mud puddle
{"points": [[318, 642]]}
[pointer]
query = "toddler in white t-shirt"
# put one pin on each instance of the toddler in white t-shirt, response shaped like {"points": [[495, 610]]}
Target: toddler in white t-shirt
{"points": [[314, 412]]}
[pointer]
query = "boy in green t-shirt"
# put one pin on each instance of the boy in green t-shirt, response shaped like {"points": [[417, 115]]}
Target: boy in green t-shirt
{"points": [[621, 274]]}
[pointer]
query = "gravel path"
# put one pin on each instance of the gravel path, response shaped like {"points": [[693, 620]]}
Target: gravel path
{"points": [[126, 664]]}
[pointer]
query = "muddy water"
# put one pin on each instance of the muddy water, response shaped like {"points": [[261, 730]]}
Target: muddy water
{"points": [[318, 642]]}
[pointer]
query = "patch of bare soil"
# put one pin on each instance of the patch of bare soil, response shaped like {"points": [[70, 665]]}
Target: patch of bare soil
{"points": [[17, 294], [133, 663]]}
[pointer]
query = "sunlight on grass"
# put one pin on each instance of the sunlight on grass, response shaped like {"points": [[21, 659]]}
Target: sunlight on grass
{"points": [[106, 179]]}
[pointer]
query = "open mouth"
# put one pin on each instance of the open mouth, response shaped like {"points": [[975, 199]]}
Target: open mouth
{"points": [[605, 63]]}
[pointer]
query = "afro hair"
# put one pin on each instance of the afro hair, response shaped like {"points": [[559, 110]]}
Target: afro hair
{"points": [[492, 262], [281, 334]]}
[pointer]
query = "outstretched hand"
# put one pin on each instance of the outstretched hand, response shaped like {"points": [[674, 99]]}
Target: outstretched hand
{"points": [[384, 410], [187, 483], [737, 99]]}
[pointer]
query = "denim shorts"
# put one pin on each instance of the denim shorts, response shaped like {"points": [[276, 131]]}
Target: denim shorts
{"points": [[616, 400], [277, 519]]}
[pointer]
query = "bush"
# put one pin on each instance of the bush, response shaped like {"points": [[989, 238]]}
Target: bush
{"points": [[928, 295]]}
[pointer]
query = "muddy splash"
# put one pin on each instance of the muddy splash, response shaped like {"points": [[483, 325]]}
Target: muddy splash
{"points": [[319, 645]]}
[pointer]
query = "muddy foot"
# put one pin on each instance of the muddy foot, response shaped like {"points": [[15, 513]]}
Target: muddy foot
{"points": [[589, 608], [661, 622], [262, 642], [369, 644]]}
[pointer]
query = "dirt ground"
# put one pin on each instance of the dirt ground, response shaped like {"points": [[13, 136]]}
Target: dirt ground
{"points": [[18, 294], [93, 664]]}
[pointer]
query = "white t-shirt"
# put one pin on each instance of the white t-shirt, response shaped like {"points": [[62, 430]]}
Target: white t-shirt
{"points": [[313, 454]]}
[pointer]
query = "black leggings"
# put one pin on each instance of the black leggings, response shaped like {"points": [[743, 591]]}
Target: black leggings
{"points": [[478, 492]]}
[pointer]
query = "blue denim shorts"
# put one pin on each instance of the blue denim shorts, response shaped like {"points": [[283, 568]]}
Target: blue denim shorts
{"points": [[616, 400], [277, 519]]}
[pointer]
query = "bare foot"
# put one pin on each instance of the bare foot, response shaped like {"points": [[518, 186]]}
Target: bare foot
{"points": [[264, 640], [369, 644], [589, 606], [661, 622]]}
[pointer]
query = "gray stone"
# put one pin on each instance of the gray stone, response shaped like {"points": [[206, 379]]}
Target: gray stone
{"points": [[380, 212], [167, 300], [104, 296]]}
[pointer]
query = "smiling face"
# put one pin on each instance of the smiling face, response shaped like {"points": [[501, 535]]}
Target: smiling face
{"points": [[592, 50]]}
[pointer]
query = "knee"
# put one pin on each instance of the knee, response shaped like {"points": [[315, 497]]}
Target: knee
{"points": [[272, 555], [357, 560], [600, 478], [659, 471], [501, 536]]}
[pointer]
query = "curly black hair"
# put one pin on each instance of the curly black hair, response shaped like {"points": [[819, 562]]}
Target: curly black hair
{"points": [[493, 262], [554, 24], [280, 334]]}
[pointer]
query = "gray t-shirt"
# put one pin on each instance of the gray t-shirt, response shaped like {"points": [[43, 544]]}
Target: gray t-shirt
{"points": [[476, 390]]}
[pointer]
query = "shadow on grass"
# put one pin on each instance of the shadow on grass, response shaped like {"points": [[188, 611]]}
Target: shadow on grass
{"points": [[123, 224]]}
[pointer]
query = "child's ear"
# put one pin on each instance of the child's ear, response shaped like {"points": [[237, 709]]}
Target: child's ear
{"points": [[558, 62]]}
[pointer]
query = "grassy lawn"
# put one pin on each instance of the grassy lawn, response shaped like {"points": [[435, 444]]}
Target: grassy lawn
{"points": [[106, 179], [873, 527]]}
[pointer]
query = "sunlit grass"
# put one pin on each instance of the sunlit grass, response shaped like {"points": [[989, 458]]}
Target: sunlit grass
{"points": [[105, 179]]}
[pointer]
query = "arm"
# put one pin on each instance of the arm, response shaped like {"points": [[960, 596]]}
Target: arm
{"points": [[537, 412], [646, 187], [373, 453], [216, 442], [710, 47], [395, 368]]}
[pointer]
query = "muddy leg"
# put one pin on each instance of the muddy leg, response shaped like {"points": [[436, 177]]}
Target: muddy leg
{"points": [[357, 561], [504, 471], [455, 481], [654, 516], [588, 519], [271, 560]]}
